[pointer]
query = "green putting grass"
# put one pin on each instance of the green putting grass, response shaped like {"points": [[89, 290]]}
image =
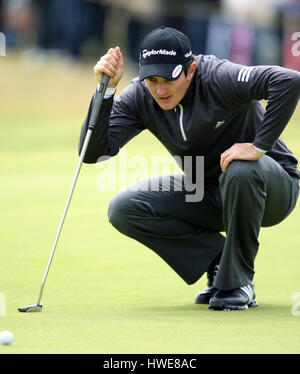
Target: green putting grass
{"points": [[106, 293]]}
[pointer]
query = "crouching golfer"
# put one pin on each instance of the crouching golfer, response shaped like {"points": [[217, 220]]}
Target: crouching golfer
{"points": [[201, 106]]}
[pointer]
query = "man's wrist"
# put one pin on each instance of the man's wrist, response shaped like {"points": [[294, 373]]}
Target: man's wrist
{"points": [[259, 149]]}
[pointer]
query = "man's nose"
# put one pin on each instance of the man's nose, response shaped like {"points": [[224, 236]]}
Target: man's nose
{"points": [[161, 89]]}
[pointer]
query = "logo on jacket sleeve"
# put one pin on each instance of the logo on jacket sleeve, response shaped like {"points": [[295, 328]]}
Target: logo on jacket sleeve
{"points": [[244, 74]]}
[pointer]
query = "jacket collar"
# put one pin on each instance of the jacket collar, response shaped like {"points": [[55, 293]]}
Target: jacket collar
{"points": [[190, 91]]}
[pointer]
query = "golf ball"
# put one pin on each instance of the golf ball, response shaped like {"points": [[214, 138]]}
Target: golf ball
{"points": [[6, 337]]}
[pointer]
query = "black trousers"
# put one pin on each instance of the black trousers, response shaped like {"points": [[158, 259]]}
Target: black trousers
{"points": [[227, 221]]}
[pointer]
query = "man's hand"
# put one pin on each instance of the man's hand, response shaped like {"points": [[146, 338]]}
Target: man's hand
{"points": [[111, 64], [239, 151]]}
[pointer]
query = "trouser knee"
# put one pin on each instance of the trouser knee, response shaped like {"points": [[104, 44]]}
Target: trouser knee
{"points": [[118, 212], [241, 173]]}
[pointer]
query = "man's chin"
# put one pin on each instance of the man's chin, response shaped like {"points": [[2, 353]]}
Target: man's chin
{"points": [[166, 106]]}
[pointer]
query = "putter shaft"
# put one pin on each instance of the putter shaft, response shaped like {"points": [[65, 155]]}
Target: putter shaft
{"points": [[82, 154], [92, 123]]}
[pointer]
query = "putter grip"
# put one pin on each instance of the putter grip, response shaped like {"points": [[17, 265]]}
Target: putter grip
{"points": [[98, 101]]}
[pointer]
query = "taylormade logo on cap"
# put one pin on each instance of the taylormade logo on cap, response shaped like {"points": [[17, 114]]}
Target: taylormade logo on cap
{"points": [[164, 52], [158, 52]]}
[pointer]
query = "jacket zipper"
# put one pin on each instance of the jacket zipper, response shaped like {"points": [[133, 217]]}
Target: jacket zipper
{"points": [[181, 122]]}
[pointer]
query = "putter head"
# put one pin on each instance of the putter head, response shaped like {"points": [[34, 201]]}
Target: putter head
{"points": [[31, 308]]}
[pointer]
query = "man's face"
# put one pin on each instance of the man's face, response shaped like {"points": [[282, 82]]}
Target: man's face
{"points": [[169, 93]]}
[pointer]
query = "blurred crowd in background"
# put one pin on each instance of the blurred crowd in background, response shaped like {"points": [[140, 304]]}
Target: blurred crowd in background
{"points": [[249, 32]]}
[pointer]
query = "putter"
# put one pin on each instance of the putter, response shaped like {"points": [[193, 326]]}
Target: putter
{"points": [[92, 123]]}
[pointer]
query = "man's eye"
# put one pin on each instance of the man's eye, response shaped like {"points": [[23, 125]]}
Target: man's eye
{"points": [[151, 79]]}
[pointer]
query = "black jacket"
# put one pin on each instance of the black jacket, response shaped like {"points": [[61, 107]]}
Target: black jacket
{"points": [[221, 107]]}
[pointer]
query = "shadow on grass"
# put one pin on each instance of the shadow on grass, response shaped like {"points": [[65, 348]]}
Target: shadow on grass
{"points": [[263, 308]]}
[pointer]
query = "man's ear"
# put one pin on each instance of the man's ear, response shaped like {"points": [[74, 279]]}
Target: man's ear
{"points": [[192, 69]]}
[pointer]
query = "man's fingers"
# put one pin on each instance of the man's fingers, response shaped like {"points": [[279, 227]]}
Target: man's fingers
{"points": [[112, 53], [222, 159], [111, 64], [110, 59], [119, 54], [116, 55], [107, 64], [226, 158], [239, 151], [100, 69]]}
